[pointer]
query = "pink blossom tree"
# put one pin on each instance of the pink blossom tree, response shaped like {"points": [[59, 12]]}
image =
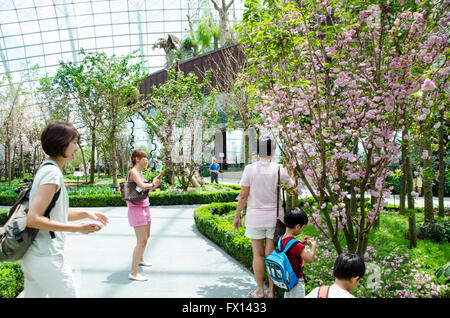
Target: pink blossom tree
{"points": [[333, 80]]}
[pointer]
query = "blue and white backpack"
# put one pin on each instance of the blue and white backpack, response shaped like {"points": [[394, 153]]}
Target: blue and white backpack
{"points": [[279, 267]]}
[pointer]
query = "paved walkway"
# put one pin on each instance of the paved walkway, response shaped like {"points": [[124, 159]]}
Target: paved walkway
{"points": [[185, 263]]}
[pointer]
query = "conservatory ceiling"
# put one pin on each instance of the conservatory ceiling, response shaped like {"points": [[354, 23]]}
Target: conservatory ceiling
{"points": [[36, 34]]}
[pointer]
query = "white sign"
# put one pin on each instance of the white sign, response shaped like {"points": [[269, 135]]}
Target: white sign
{"points": [[221, 155], [78, 174]]}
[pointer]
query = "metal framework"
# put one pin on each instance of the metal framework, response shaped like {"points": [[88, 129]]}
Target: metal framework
{"points": [[44, 32]]}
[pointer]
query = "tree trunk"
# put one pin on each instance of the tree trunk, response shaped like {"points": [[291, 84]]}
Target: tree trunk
{"points": [[246, 147], [34, 160], [411, 209], [409, 182], [402, 203], [13, 163], [113, 162], [428, 178], [441, 165], [98, 161], [84, 161], [405, 155], [92, 170], [8, 161], [225, 33], [22, 162]]}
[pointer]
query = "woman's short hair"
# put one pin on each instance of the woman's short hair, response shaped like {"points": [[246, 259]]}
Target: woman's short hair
{"points": [[348, 265], [267, 147], [295, 216], [56, 136]]}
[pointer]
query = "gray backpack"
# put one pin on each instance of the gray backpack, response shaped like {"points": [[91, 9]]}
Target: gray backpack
{"points": [[15, 236]]}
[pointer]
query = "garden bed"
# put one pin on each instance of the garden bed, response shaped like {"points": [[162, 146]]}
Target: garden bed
{"points": [[392, 269]]}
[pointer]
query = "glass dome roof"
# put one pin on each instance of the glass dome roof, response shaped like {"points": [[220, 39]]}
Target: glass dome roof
{"points": [[43, 32]]}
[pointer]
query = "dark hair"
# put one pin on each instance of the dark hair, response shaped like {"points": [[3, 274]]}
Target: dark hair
{"points": [[295, 216], [348, 265], [266, 147], [57, 136]]}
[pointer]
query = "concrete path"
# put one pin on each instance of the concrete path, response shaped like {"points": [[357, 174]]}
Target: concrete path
{"points": [[185, 263]]}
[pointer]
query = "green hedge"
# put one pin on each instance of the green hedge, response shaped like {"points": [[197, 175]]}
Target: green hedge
{"points": [[99, 200], [11, 279], [3, 214], [217, 227], [11, 276]]}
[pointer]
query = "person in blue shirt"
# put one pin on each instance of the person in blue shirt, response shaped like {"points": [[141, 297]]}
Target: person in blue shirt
{"points": [[214, 169]]}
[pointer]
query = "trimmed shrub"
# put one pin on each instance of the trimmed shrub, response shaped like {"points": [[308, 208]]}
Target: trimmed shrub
{"points": [[102, 200], [11, 276], [11, 279], [218, 228], [3, 214]]}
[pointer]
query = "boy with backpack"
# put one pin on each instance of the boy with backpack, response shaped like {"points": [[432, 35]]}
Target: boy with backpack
{"points": [[348, 269], [296, 254]]}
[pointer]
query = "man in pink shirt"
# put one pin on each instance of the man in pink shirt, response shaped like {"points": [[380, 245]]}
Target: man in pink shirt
{"points": [[259, 191]]}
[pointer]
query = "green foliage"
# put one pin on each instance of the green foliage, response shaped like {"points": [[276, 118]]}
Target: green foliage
{"points": [[90, 198], [149, 175], [220, 230], [444, 272], [11, 279], [9, 190], [182, 116], [3, 214], [436, 231], [404, 272]]}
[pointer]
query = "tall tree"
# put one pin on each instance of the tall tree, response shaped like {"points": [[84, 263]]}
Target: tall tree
{"points": [[79, 82], [226, 34], [331, 80], [180, 114], [12, 98], [116, 81]]}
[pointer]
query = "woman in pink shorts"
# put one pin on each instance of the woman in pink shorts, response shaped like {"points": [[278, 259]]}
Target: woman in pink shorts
{"points": [[259, 192], [139, 212]]}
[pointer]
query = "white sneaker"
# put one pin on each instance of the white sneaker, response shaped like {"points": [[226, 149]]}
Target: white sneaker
{"points": [[138, 277], [145, 263]]}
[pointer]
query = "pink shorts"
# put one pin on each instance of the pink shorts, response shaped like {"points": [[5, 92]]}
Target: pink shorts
{"points": [[139, 215]]}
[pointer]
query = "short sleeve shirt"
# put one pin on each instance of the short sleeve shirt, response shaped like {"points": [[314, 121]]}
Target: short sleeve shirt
{"points": [[294, 255], [214, 166], [44, 245], [262, 178]]}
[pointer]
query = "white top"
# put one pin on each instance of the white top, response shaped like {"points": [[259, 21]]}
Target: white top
{"points": [[262, 179], [44, 245], [333, 292]]}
